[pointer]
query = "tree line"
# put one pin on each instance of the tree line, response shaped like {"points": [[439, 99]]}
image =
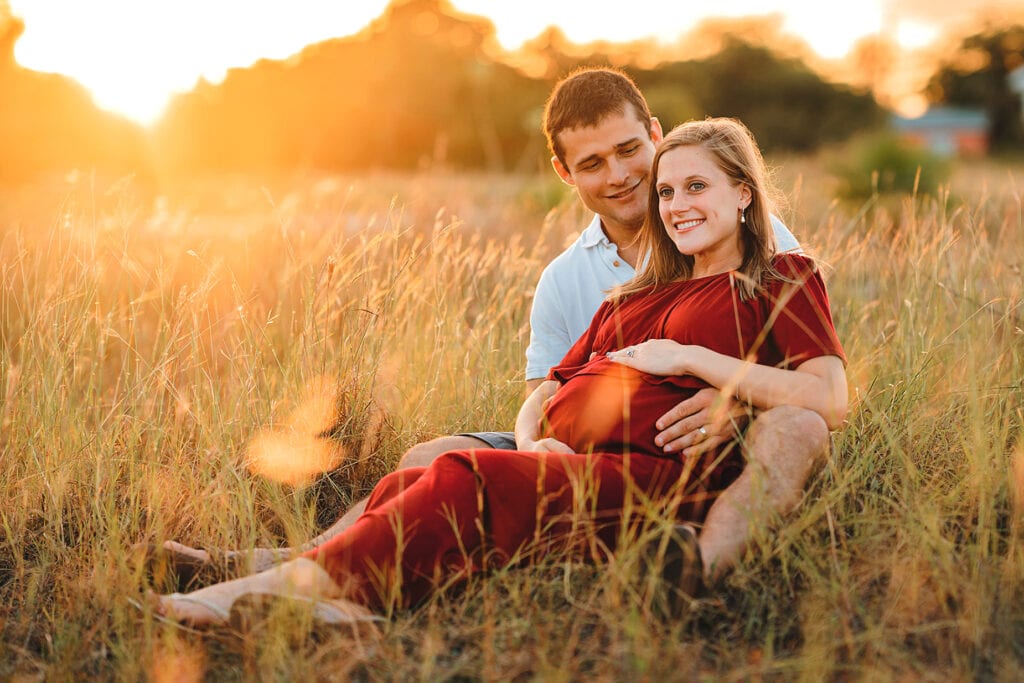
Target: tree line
{"points": [[422, 86]]}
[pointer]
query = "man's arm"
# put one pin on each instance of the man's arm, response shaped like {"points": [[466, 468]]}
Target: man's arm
{"points": [[549, 333]]}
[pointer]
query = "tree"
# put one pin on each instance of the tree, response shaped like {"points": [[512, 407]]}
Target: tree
{"points": [[417, 87], [784, 103], [976, 75]]}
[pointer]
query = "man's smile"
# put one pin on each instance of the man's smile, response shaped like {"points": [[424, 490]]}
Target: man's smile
{"points": [[627, 192]]}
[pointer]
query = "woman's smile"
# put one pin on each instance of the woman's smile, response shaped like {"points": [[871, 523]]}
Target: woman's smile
{"points": [[687, 225]]}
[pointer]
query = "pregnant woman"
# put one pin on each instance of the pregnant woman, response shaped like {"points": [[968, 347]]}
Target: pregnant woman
{"points": [[713, 306]]}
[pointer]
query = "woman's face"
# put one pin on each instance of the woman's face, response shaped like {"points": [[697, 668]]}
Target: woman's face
{"points": [[700, 207]]}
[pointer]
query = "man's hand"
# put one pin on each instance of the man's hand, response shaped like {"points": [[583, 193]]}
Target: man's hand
{"points": [[708, 408]]}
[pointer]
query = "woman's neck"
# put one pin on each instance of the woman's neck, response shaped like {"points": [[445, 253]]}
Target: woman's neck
{"points": [[703, 267], [721, 258]]}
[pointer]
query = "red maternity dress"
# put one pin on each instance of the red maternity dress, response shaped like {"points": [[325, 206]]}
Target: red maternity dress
{"points": [[478, 509]]}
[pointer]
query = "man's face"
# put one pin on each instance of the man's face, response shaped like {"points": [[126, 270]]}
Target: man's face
{"points": [[609, 165]]}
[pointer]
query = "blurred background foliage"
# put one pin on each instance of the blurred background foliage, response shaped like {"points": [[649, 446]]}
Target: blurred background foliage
{"points": [[975, 74], [882, 164], [425, 86]]}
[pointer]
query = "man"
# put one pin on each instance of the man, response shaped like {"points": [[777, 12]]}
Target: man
{"points": [[602, 138]]}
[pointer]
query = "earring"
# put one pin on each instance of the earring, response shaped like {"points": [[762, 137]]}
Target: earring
{"points": [[743, 215]]}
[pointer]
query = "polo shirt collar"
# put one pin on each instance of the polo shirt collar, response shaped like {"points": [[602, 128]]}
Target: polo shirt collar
{"points": [[593, 235]]}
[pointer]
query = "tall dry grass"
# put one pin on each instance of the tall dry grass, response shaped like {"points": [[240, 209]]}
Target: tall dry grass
{"points": [[158, 358]]}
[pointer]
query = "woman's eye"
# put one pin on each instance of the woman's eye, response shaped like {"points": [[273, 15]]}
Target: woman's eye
{"points": [[665, 192], [696, 187]]}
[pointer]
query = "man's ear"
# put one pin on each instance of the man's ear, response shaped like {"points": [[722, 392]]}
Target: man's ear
{"points": [[562, 172], [656, 132]]}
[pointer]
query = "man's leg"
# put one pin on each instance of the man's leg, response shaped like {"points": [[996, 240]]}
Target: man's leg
{"points": [[784, 445]]}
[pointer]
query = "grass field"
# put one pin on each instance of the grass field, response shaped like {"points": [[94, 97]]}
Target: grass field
{"points": [[161, 360]]}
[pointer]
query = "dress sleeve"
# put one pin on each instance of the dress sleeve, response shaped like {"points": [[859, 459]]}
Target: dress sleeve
{"points": [[799, 316], [579, 354]]}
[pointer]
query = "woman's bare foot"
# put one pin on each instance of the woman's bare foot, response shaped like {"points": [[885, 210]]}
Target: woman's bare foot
{"points": [[210, 606], [187, 609]]}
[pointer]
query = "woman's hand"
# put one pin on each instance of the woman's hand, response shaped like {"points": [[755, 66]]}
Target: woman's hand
{"points": [[656, 357], [529, 422], [546, 445]]}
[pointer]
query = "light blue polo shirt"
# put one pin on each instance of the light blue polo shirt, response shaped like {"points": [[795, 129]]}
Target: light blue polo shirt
{"points": [[574, 284]]}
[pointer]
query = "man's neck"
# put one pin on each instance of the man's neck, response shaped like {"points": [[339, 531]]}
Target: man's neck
{"points": [[626, 240]]}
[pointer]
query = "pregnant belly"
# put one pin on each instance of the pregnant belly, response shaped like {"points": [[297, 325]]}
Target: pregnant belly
{"points": [[613, 410]]}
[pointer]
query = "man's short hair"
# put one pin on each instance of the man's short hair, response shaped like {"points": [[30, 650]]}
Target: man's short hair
{"points": [[585, 97]]}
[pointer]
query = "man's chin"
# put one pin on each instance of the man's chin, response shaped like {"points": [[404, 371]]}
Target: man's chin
{"points": [[633, 221]]}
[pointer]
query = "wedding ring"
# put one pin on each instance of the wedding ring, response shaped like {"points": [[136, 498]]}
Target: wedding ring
{"points": [[630, 353], [703, 432]]}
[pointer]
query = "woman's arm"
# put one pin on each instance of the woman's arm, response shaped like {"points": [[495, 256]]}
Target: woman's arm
{"points": [[818, 384], [528, 422]]}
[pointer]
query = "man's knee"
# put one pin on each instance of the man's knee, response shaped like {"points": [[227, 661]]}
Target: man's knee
{"points": [[423, 454], [784, 446], [789, 443], [793, 426]]}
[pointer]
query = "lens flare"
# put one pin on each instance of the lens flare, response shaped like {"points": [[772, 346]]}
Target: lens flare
{"points": [[296, 453], [177, 661]]}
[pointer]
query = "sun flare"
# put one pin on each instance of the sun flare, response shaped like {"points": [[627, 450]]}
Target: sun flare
{"points": [[133, 57]]}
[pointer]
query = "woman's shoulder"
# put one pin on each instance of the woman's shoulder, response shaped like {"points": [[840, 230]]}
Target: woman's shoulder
{"points": [[792, 264], [793, 269]]}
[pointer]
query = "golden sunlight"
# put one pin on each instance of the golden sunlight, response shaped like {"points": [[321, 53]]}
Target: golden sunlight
{"points": [[133, 57]]}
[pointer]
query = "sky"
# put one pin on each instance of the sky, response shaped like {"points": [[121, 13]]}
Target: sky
{"points": [[133, 55]]}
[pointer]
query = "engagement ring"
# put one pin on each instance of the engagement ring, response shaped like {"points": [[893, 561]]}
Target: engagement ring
{"points": [[630, 354], [703, 432]]}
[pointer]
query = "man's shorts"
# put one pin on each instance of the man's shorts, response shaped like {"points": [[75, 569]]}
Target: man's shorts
{"points": [[503, 441]]}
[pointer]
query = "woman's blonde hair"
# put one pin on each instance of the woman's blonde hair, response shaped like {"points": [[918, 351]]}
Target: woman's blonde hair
{"points": [[737, 155]]}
